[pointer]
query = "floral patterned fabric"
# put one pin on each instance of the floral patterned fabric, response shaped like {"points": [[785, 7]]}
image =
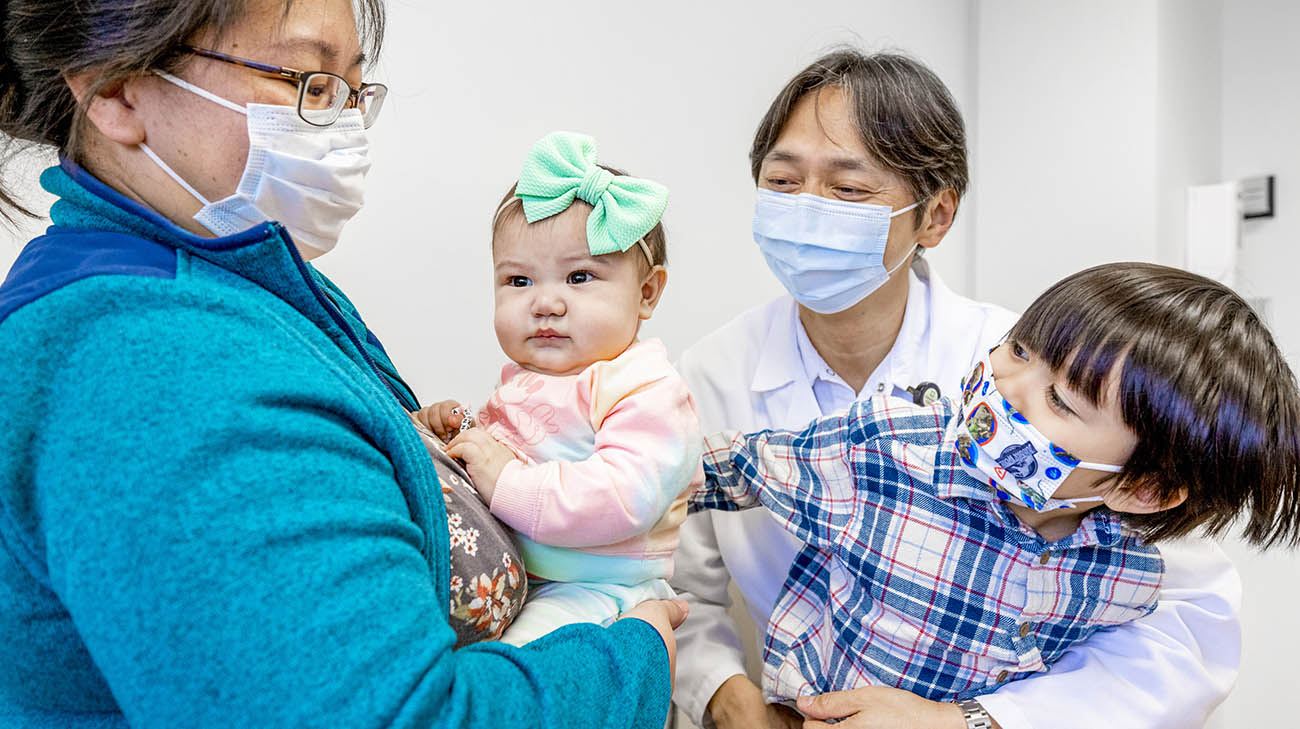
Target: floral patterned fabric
{"points": [[488, 584]]}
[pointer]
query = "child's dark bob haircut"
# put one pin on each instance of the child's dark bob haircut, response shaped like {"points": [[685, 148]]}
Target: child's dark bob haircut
{"points": [[1212, 401]]}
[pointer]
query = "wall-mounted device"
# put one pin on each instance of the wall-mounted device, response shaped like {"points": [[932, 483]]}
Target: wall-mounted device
{"points": [[1257, 197]]}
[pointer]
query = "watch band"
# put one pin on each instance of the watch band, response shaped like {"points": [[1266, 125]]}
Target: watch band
{"points": [[975, 715]]}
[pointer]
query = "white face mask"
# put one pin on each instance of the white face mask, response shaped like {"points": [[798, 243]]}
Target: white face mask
{"points": [[308, 178], [829, 254], [998, 446]]}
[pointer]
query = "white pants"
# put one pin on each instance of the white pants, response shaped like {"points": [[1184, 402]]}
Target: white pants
{"points": [[553, 604]]}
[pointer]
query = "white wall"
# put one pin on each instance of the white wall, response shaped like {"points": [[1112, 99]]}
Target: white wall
{"points": [[1189, 130], [1093, 119], [1261, 72], [1065, 157]]}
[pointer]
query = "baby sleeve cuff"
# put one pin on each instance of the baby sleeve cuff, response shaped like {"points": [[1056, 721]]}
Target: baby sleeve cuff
{"points": [[513, 502]]}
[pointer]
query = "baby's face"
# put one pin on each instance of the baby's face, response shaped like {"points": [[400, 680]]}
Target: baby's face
{"points": [[559, 308]]}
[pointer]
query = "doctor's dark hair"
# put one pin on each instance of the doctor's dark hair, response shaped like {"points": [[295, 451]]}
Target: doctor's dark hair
{"points": [[1213, 403], [905, 115], [41, 42], [511, 209]]}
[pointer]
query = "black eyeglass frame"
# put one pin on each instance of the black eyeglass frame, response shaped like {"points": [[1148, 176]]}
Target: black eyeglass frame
{"points": [[298, 77]]}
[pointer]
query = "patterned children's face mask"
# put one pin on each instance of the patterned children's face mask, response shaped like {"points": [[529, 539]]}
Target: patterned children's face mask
{"points": [[998, 445]]}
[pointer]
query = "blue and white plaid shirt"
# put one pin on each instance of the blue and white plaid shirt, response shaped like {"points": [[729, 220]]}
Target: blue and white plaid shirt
{"points": [[913, 573]]}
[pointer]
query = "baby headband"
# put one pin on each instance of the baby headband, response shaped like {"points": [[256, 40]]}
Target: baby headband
{"points": [[562, 167]]}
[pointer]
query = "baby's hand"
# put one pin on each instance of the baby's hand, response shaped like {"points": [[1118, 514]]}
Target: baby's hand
{"points": [[484, 459], [443, 418]]}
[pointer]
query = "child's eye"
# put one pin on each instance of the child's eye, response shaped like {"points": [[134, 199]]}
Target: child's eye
{"points": [[1019, 351], [1056, 402], [580, 277], [518, 281]]}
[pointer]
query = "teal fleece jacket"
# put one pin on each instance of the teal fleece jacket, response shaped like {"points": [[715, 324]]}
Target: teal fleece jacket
{"points": [[214, 511]]}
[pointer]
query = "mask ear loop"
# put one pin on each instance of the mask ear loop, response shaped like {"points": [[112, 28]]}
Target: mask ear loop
{"points": [[1099, 467], [901, 261], [917, 247], [900, 211], [201, 92], [172, 174], [1074, 503]]}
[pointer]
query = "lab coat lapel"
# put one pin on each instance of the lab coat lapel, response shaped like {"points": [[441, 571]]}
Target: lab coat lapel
{"points": [[780, 386]]}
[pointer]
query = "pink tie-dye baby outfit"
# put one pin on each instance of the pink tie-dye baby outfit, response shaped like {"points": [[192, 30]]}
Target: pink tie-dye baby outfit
{"points": [[607, 460]]}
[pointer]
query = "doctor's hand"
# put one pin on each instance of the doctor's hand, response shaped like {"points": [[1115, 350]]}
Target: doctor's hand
{"points": [[664, 616], [443, 418], [484, 458], [879, 707], [739, 704]]}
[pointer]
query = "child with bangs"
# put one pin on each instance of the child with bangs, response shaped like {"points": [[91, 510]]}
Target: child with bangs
{"points": [[953, 547]]}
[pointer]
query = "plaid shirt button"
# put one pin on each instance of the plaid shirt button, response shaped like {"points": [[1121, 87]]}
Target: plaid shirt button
{"points": [[1024, 629], [1042, 558], [1002, 676]]}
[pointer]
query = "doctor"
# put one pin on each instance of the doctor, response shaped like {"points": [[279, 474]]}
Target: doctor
{"points": [[861, 165]]}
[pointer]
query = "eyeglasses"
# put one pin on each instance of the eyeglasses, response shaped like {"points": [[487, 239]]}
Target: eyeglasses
{"points": [[322, 96]]}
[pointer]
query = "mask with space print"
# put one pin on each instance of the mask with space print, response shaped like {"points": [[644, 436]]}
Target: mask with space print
{"points": [[997, 445]]}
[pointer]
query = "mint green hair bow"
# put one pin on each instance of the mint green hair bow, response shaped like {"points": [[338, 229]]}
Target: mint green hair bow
{"points": [[562, 167]]}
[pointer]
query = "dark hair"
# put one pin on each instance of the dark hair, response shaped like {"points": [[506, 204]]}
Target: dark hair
{"points": [[511, 208], [1213, 403], [42, 41], [905, 115]]}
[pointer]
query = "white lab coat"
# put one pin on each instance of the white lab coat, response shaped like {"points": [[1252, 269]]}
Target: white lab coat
{"points": [[1169, 669]]}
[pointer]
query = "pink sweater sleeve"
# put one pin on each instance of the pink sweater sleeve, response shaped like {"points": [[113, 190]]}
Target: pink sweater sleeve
{"points": [[647, 452]]}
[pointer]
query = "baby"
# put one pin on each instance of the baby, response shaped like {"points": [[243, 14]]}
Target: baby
{"points": [[953, 547], [590, 446]]}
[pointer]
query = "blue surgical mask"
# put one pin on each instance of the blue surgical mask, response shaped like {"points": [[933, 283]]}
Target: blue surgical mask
{"points": [[829, 254]]}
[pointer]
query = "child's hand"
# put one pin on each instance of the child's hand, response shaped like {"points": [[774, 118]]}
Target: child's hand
{"points": [[484, 459], [443, 418]]}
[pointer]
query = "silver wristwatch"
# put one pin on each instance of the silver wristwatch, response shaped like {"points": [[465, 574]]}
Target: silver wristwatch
{"points": [[975, 715]]}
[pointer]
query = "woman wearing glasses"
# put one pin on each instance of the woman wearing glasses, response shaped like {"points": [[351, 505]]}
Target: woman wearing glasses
{"points": [[213, 509]]}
